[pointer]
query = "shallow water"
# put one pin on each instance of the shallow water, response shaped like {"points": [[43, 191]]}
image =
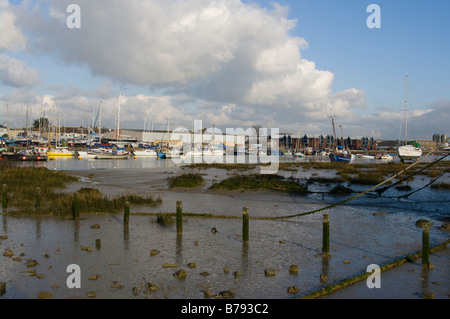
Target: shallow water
{"points": [[123, 261]]}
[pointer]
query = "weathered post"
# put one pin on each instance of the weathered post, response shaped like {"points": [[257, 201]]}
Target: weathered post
{"points": [[179, 217], [76, 207], [126, 214], [425, 244], [326, 234], [245, 225], [5, 197]]}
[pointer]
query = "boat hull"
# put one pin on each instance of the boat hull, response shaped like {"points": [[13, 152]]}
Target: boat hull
{"points": [[409, 152], [336, 157]]}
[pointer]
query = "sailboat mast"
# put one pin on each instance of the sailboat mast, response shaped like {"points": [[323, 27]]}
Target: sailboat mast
{"points": [[406, 109]]}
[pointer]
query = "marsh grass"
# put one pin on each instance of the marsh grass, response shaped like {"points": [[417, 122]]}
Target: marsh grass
{"points": [[255, 182], [441, 185], [186, 180], [32, 191]]}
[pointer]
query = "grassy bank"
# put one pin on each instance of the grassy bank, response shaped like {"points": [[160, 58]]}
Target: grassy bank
{"points": [[186, 180], [255, 182], [33, 191]]}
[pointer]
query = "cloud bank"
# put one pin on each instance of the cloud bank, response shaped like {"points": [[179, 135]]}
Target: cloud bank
{"points": [[229, 62]]}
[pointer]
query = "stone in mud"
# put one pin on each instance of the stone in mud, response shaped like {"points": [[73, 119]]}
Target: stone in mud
{"points": [[150, 287], [293, 269], [227, 294], [214, 230], [95, 226], [44, 295], [31, 263], [180, 274], [269, 272], [445, 227], [208, 293], [8, 253], [2, 288], [292, 290], [154, 252]]}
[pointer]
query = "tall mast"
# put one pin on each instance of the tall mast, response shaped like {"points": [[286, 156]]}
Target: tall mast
{"points": [[406, 109], [118, 118]]}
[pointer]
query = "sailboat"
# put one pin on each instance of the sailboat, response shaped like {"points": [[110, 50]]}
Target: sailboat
{"points": [[340, 154], [408, 151]]}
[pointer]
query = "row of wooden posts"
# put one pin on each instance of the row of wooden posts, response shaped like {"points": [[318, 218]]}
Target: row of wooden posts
{"points": [[325, 230], [245, 224]]}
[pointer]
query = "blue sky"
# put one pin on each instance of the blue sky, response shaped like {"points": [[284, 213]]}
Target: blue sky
{"points": [[235, 65]]}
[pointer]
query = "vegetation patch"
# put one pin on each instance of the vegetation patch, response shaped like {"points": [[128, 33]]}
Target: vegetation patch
{"points": [[441, 185], [255, 182], [31, 191], [186, 180]]}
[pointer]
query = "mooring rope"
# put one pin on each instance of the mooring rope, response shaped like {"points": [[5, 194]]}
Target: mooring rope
{"points": [[362, 193], [382, 190], [431, 182]]}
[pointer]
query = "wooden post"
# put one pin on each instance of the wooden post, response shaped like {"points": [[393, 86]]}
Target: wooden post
{"points": [[5, 197], [126, 214], [245, 225], [326, 234], [425, 244], [76, 207], [179, 217]]}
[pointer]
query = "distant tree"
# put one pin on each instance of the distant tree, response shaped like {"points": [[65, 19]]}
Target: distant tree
{"points": [[42, 123]]}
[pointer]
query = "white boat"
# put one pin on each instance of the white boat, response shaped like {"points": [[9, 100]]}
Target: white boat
{"points": [[193, 153], [408, 151], [103, 154], [386, 157], [299, 155], [145, 153], [213, 151]]}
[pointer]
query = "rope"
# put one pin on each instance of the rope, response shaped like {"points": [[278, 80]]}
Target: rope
{"points": [[362, 193], [382, 190], [434, 180]]}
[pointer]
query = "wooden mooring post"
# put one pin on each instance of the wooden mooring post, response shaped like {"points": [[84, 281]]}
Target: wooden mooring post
{"points": [[326, 234], [425, 244], [245, 225], [179, 217]]}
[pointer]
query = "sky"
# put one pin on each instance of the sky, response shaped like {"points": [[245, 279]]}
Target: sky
{"points": [[290, 64]]}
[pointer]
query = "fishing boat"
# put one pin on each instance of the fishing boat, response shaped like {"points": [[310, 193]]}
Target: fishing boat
{"points": [[340, 155], [25, 156], [411, 150]]}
